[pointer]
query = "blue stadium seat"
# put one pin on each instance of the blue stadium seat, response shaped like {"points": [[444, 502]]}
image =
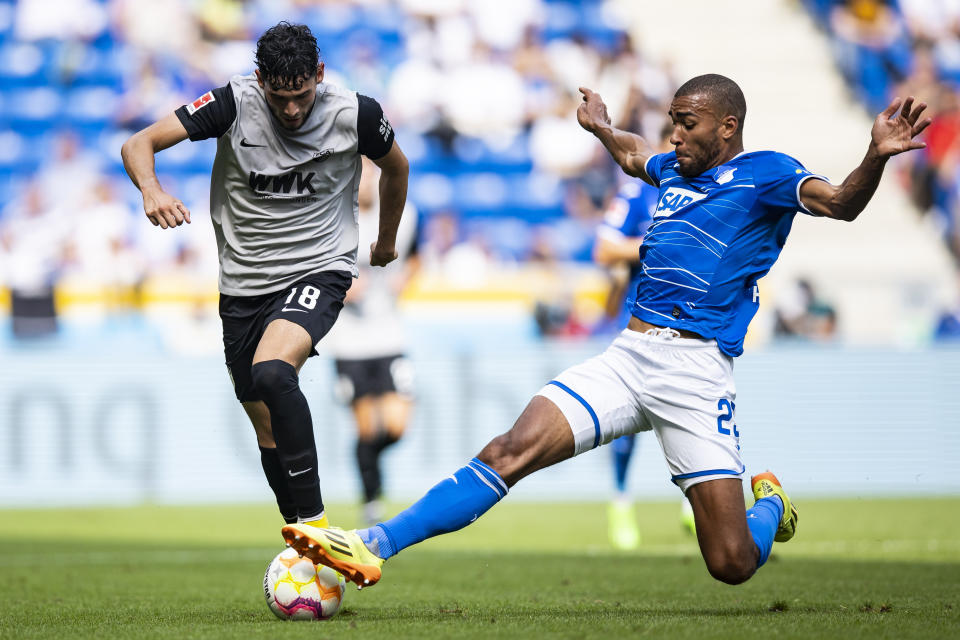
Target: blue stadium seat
{"points": [[431, 191], [509, 237], [562, 20], [478, 156], [425, 153], [33, 110], [90, 107], [480, 193], [22, 65], [538, 196], [13, 150]]}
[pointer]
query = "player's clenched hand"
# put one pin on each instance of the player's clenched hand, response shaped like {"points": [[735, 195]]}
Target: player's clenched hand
{"points": [[894, 132], [592, 112], [381, 256], [164, 210]]}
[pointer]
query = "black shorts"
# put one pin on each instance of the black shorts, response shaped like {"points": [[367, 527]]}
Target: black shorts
{"points": [[314, 303], [373, 377]]}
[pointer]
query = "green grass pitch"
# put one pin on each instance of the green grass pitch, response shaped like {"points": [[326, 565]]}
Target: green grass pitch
{"points": [[857, 569]]}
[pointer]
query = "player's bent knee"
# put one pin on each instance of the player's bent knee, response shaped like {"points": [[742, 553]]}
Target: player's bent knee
{"points": [[731, 574], [731, 568], [273, 377]]}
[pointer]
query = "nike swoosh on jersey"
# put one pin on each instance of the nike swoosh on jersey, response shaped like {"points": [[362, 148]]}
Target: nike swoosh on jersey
{"points": [[285, 309], [244, 143], [299, 473]]}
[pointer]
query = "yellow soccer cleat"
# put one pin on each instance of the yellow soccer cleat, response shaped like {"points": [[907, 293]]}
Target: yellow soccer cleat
{"points": [[342, 551], [766, 485]]}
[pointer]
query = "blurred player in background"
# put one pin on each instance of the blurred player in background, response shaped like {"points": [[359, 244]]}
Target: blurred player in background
{"points": [[722, 219], [368, 344], [283, 205], [617, 248]]}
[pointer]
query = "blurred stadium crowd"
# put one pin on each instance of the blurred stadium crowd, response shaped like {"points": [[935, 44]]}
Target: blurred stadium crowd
{"points": [[909, 47], [482, 96]]}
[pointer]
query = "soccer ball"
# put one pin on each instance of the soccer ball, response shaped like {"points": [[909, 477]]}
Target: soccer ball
{"points": [[295, 589]]}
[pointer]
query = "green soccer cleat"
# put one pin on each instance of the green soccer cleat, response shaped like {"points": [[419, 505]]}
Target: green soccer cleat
{"points": [[342, 551], [624, 534], [766, 485]]}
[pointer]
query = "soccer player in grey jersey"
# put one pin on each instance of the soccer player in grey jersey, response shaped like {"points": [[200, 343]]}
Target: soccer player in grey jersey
{"points": [[283, 201]]}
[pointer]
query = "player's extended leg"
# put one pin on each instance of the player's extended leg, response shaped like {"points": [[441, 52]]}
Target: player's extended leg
{"points": [[541, 437], [280, 353], [270, 460], [734, 541]]}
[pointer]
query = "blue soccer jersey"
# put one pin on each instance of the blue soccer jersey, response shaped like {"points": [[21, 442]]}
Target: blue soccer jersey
{"points": [[712, 237], [629, 214]]}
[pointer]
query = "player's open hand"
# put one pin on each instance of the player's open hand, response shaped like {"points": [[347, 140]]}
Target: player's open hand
{"points": [[592, 112], [381, 256], [894, 132], [163, 210]]}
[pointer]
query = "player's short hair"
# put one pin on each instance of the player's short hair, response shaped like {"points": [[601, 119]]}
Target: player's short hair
{"points": [[287, 54], [722, 92]]}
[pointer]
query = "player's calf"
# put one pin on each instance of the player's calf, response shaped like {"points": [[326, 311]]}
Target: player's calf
{"points": [[277, 383], [540, 437]]}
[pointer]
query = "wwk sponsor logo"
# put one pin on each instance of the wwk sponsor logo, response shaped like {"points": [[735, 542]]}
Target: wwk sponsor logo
{"points": [[283, 183]]}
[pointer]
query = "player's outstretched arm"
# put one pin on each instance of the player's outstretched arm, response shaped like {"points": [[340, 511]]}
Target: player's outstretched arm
{"points": [[629, 150], [394, 170], [137, 152], [894, 131]]}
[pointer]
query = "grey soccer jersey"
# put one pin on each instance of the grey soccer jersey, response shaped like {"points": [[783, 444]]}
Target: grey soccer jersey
{"points": [[284, 202]]}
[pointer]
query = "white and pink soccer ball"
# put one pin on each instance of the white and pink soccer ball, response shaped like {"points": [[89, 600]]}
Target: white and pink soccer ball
{"points": [[295, 589]]}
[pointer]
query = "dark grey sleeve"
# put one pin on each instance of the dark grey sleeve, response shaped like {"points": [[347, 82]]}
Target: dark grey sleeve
{"points": [[374, 133], [210, 115]]}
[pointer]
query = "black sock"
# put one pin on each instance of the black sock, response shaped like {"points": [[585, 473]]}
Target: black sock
{"points": [[369, 465], [277, 480], [368, 462], [278, 385]]}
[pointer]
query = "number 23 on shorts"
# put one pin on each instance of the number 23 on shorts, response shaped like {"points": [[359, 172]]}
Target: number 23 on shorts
{"points": [[727, 409]]}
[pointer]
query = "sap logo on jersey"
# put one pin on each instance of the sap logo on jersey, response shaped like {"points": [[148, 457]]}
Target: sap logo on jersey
{"points": [[675, 199]]}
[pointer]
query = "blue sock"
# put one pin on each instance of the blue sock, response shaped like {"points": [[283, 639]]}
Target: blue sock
{"points": [[763, 518], [450, 505], [622, 452]]}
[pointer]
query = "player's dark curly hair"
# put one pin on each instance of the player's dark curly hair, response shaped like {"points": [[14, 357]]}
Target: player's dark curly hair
{"points": [[286, 54], [722, 92]]}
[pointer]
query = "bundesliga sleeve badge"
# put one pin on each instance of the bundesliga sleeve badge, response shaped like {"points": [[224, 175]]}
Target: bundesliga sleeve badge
{"points": [[200, 102]]}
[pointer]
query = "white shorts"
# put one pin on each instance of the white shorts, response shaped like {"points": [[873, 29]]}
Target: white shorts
{"points": [[682, 388]]}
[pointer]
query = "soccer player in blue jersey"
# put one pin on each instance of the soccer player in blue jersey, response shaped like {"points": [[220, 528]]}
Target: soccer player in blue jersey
{"points": [[722, 218]]}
